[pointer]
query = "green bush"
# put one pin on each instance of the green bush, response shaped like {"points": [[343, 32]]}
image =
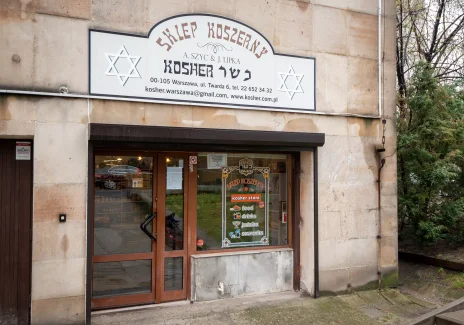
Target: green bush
{"points": [[430, 159]]}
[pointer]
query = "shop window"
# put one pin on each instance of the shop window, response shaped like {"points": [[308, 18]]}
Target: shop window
{"points": [[241, 201]]}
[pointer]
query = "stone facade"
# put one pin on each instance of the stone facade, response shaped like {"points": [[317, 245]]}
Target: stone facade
{"points": [[225, 275], [45, 46]]}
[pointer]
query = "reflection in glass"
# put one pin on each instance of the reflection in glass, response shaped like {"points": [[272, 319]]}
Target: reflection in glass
{"points": [[121, 278], [123, 198], [173, 273], [174, 239]]}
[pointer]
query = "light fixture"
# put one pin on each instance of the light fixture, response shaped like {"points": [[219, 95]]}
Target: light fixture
{"points": [[140, 158], [168, 160], [119, 159]]}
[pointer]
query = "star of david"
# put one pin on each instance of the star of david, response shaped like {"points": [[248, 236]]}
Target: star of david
{"points": [[131, 59], [284, 87]]}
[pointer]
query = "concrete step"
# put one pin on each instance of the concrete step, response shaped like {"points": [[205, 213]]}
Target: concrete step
{"points": [[431, 318], [453, 318]]}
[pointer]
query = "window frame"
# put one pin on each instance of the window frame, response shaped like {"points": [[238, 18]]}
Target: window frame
{"points": [[290, 163]]}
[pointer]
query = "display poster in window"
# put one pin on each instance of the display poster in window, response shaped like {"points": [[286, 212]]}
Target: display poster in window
{"points": [[245, 205], [174, 178], [217, 160]]}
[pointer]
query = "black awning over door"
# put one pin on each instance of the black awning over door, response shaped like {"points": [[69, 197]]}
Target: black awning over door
{"points": [[201, 139]]}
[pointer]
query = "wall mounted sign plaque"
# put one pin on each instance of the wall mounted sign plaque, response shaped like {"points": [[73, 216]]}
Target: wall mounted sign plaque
{"points": [[23, 150], [200, 59]]}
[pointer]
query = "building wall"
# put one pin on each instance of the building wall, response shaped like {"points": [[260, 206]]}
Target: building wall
{"points": [[59, 130], [236, 274], [45, 46]]}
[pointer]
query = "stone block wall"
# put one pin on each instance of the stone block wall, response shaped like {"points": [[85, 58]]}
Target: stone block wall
{"points": [[58, 128], [341, 35], [45, 46], [60, 186]]}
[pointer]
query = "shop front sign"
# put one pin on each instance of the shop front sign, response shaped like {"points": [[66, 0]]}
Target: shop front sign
{"points": [[200, 59], [245, 205]]}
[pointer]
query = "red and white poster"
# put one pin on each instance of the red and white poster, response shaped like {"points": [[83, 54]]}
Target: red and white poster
{"points": [[23, 150]]}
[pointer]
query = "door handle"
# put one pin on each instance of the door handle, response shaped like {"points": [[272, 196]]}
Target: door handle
{"points": [[144, 225]]}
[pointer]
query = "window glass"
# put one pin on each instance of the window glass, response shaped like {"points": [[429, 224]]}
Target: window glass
{"points": [[242, 200], [121, 278], [123, 199], [173, 273], [174, 239]]}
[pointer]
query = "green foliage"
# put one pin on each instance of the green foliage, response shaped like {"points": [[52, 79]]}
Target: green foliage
{"points": [[431, 159], [209, 218]]}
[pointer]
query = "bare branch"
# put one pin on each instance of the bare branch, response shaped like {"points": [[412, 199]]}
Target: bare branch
{"points": [[431, 30], [451, 36], [435, 31]]}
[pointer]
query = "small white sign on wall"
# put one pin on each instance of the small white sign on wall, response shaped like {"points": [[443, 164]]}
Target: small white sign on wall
{"points": [[23, 150], [217, 160]]}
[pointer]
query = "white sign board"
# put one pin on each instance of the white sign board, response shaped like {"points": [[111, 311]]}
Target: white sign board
{"points": [[23, 150], [200, 59], [174, 178], [217, 160]]}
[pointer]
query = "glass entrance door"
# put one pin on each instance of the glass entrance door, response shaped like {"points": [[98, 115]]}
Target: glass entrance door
{"points": [[123, 255], [139, 251], [172, 208]]}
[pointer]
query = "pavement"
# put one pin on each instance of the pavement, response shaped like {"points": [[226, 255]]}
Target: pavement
{"points": [[422, 289], [368, 307]]}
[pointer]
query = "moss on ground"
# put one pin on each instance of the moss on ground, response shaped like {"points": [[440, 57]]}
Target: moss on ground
{"points": [[457, 281], [390, 279], [435, 284], [323, 311]]}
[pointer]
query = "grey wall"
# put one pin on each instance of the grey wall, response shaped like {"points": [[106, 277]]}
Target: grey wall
{"points": [[217, 276]]}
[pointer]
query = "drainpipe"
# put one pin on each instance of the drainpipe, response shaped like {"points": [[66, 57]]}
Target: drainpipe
{"points": [[316, 224], [379, 219], [379, 46], [380, 150], [87, 96]]}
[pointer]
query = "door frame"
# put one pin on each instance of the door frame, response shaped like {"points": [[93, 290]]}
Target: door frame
{"points": [[123, 300], [158, 253], [161, 294]]}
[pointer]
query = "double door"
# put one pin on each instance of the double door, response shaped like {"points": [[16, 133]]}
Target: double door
{"points": [[139, 229]]}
